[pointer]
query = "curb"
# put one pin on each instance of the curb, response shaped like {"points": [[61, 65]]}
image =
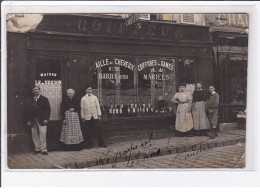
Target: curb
{"points": [[203, 146]]}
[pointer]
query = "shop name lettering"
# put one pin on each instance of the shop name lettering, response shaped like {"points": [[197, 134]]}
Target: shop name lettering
{"points": [[147, 64], [48, 74], [119, 62], [154, 63], [47, 82], [119, 28], [237, 20], [153, 74]]}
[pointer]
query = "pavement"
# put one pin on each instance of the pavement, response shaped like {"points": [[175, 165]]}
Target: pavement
{"points": [[232, 156], [228, 147]]}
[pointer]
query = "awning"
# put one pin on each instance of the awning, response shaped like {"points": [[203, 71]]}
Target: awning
{"points": [[229, 29], [238, 58]]}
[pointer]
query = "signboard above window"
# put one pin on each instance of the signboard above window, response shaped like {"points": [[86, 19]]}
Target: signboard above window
{"points": [[119, 28], [234, 20]]}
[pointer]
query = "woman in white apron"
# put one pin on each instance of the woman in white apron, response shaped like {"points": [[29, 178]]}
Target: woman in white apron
{"points": [[184, 122]]}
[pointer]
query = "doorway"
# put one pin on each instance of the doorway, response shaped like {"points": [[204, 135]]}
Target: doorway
{"points": [[48, 78]]}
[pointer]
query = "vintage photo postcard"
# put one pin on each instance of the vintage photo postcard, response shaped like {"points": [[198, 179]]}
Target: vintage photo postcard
{"points": [[127, 91]]}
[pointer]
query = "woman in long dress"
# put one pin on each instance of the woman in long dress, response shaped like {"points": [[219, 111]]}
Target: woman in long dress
{"points": [[200, 119], [71, 134], [184, 121]]}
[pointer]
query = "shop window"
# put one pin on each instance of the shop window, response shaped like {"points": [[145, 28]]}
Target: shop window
{"points": [[154, 17], [187, 71], [238, 81], [134, 86], [188, 18], [156, 83], [114, 80], [144, 16]]}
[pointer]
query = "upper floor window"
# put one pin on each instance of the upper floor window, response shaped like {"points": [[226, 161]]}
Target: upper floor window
{"points": [[144, 16], [187, 18]]}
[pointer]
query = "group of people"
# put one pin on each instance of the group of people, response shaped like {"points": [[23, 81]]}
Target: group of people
{"points": [[197, 114], [38, 109]]}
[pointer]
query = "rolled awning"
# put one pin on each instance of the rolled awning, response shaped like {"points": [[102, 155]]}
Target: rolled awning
{"points": [[238, 58], [229, 29]]}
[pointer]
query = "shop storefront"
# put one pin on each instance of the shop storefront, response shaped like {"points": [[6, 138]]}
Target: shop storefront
{"points": [[133, 70], [230, 36]]}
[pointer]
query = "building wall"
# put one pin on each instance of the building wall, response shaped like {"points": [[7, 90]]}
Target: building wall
{"points": [[17, 81]]}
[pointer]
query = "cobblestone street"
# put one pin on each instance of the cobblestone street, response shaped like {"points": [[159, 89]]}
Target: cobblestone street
{"points": [[206, 152], [221, 157]]}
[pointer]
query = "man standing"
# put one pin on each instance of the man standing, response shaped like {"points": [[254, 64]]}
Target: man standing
{"points": [[91, 114], [212, 107], [38, 117]]}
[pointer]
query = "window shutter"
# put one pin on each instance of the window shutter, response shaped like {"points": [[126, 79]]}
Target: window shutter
{"points": [[187, 18], [144, 16]]}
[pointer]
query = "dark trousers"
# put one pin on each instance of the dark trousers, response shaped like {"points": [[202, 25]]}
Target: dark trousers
{"points": [[92, 128]]}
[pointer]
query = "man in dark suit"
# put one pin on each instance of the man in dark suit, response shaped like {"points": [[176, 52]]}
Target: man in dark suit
{"points": [[38, 114]]}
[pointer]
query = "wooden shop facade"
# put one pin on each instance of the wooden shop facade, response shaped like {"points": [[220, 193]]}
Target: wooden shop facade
{"points": [[134, 70]]}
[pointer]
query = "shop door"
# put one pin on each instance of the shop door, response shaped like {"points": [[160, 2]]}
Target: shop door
{"points": [[48, 77], [156, 81]]}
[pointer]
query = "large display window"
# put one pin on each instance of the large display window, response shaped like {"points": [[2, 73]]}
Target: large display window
{"points": [[133, 86]]}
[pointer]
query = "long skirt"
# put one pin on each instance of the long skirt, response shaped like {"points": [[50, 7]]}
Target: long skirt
{"points": [[71, 131], [200, 119], [184, 121]]}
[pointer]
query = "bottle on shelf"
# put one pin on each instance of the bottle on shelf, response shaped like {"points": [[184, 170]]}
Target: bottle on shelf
{"points": [[144, 108], [151, 110], [116, 109], [121, 109], [111, 109], [137, 107], [141, 108], [132, 108], [128, 110]]}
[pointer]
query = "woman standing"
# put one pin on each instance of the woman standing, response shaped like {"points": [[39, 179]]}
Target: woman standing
{"points": [[212, 107], [200, 119], [184, 121], [71, 134]]}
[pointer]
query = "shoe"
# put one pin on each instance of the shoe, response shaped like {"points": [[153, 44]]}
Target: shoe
{"points": [[103, 146], [44, 153], [212, 136], [89, 147], [189, 135], [36, 152], [209, 134]]}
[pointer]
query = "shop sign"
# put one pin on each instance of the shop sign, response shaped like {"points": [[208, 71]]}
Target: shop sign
{"points": [[155, 63], [159, 76], [156, 74], [48, 74], [116, 28], [234, 20], [113, 69], [116, 61]]}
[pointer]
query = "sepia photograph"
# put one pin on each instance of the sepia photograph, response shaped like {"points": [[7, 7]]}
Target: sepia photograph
{"points": [[127, 91]]}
